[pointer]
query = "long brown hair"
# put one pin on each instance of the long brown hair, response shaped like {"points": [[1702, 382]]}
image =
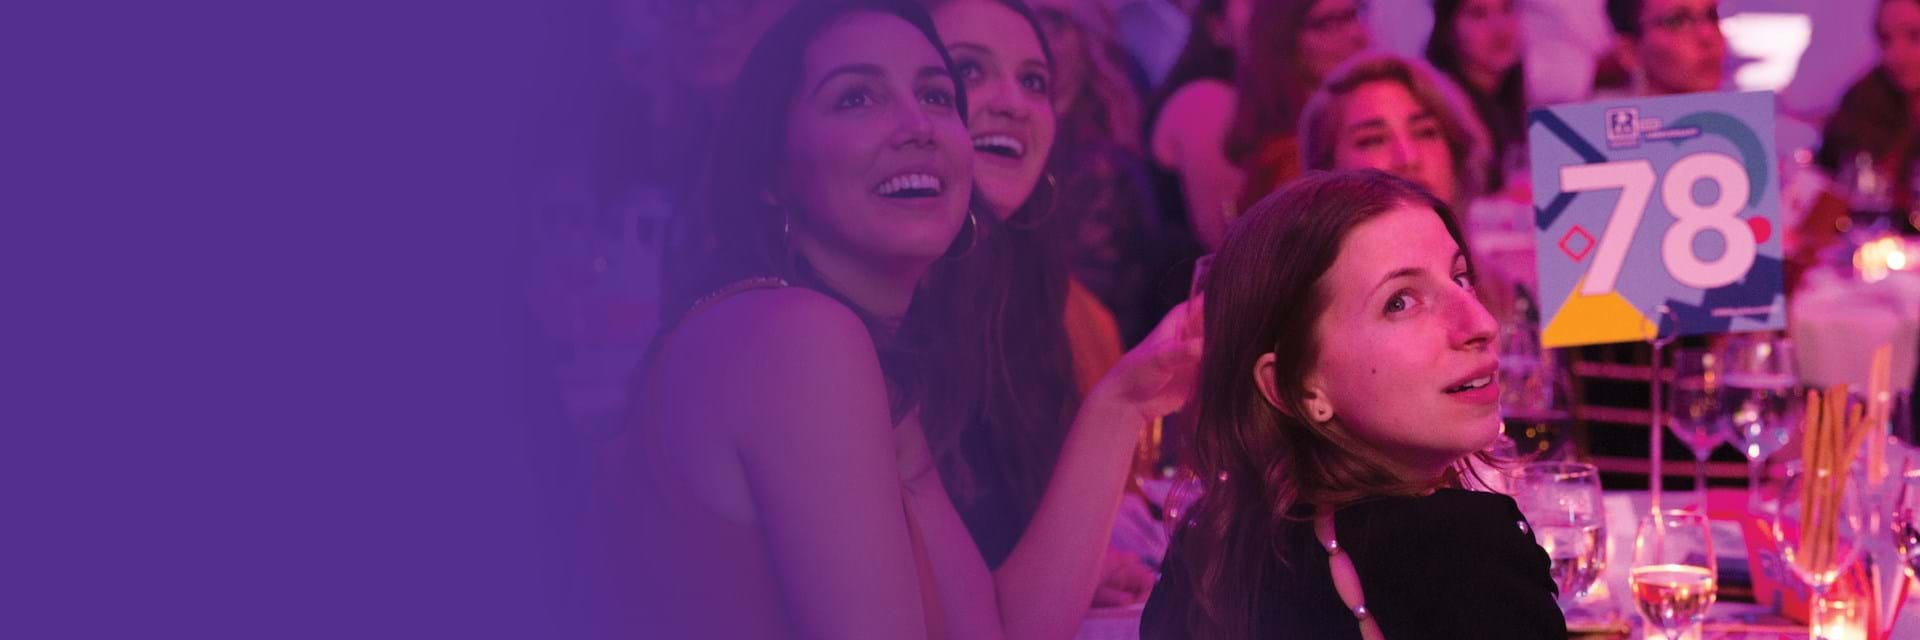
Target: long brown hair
{"points": [[1011, 358], [733, 233], [1271, 79], [1259, 464], [1503, 112]]}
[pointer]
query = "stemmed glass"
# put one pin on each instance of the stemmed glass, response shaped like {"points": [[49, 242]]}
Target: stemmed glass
{"points": [[1819, 533], [1762, 403], [1906, 522], [1562, 502], [1674, 576], [1694, 411]]}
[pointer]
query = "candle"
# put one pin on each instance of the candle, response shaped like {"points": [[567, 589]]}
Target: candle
{"points": [[1837, 619]]}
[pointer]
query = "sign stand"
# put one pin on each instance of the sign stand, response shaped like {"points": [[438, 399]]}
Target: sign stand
{"points": [[1656, 384]]}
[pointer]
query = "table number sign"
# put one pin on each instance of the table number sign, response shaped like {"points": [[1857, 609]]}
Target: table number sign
{"points": [[1647, 201]]}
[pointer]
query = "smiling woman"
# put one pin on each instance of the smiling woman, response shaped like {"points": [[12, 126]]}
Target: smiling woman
{"points": [[777, 475], [1347, 392]]}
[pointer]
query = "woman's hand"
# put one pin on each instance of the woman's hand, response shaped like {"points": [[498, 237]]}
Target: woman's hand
{"points": [[1124, 580], [1158, 375]]}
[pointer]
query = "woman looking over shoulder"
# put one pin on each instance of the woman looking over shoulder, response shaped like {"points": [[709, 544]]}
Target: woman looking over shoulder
{"points": [[1347, 386], [776, 479]]}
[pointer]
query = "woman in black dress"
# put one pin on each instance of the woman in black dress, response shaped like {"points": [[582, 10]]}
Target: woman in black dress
{"points": [[1347, 391]]}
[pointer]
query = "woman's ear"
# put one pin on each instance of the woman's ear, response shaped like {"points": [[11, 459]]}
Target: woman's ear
{"points": [[1319, 407], [1263, 377]]}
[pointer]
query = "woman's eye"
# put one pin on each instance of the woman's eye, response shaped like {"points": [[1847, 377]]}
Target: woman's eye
{"points": [[970, 71], [1427, 133], [854, 99], [1399, 302], [1464, 279], [1035, 82], [937, 97], [1369, 142]]}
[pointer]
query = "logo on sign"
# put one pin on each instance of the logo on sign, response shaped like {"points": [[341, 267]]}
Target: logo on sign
{"points": [[1623, 128]]}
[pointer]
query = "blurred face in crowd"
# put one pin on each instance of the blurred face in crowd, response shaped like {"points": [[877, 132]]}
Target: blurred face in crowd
{"points": [[1382, 127], [1680, 48], [877, 166], [706, 41], [1488, 34], [1010, 90], [1898, 27], [1331, 33], [1405, 361]]}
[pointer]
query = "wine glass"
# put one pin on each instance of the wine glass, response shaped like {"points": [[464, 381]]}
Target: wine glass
{"points": [[1762, 403], [1674, 575], [1562, 502], [1694, 410], [1906, 522], [1819, 534]]}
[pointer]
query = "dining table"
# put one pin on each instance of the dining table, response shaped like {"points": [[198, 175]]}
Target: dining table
{"points": [[1607, 610]]}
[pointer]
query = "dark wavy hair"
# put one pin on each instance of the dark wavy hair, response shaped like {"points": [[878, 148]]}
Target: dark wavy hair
{"points": [[1503, 111], [1624, 16], [1013, 288], [734, 234], [1260, 463], [1272, 81]]}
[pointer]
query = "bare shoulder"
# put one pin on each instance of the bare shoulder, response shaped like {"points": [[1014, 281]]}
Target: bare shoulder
{"points": [[756, 358], [1201, 107], [772, 327], [1204, 98]]}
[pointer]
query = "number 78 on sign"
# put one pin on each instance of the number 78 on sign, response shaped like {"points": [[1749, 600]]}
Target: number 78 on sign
{"points": [[1656, 201]]}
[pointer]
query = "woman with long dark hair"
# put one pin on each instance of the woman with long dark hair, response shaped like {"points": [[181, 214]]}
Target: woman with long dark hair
{"points": [[778, 475], [1478, 44], [1347, 391], [1043, 340], [1298, 43]]}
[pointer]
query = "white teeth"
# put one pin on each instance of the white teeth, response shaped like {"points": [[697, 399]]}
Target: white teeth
{"points": [[1000, 141], [919, 181], [1475, 383]]}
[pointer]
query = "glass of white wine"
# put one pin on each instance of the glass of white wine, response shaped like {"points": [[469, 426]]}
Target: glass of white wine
{"points": [[1562, 502], [1674, 576]]}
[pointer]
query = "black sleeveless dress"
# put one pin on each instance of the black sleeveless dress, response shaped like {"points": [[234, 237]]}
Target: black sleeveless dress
{"points": [[1454, 564]]}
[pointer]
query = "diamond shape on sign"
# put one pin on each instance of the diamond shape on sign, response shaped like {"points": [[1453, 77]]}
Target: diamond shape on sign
{"points": [[1576, 243]]}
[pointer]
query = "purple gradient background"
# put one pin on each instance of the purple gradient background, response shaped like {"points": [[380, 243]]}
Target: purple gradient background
{"points": [[263, 340]]}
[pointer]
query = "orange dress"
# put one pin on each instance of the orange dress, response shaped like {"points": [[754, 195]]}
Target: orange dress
{"points": [[1092, 336], [1277, 162]]}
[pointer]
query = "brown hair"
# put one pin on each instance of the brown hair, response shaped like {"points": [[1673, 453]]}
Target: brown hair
{"points": [[1466, 138], [1008, 357], [1106, 106], [1271, 80], [1260, 463], [733, 233], [1503, 112]]}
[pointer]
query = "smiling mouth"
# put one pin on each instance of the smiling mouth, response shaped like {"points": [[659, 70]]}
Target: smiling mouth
{"points": [[1470, 385], [910, 185], [1000, 145]]}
